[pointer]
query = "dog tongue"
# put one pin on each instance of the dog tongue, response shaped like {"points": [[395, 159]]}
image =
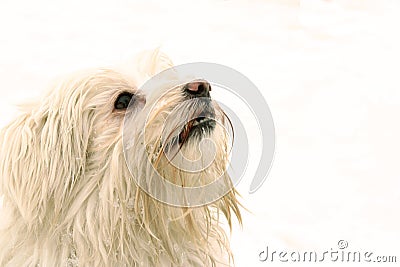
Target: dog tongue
{"points": [[185, 132]]}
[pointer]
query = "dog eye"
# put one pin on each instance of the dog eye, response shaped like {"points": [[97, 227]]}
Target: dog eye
{"points": [[123, 100]]}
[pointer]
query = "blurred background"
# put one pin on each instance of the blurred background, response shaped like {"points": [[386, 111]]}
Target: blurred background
{"points": [[329, 71]]}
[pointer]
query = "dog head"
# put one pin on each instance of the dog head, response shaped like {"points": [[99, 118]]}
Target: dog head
{"points": [[85, 158]]}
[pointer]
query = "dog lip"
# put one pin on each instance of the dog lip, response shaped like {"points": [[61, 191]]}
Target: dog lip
{"points": [[196, 127], [200, 120]]}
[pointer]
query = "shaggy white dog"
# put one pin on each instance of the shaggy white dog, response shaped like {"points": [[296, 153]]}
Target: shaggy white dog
{"points": [[72, 199]]}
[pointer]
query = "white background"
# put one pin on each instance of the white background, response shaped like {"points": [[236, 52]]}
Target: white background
{"points": [[329, 71]]}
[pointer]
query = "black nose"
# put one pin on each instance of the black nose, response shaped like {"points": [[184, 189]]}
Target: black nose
{"points": [[198, 88]]}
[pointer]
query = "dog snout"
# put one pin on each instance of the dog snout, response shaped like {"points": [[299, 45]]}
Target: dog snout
{"points": [[198, 88]]}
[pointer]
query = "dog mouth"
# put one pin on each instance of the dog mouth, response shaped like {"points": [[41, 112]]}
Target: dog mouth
{"points": [[202, 125]]}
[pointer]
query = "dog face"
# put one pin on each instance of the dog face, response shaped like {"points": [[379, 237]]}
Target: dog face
{"points": [[181, 141], [77, 167]]}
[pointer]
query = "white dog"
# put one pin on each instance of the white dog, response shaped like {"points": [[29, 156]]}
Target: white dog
{"points": [[70, 198]]}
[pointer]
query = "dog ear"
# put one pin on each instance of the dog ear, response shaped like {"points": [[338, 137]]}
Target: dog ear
{"points": [[43, 154], [148, 63]]}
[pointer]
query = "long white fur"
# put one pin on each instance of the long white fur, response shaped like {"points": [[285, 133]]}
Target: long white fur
{"points": [[69, 199]]}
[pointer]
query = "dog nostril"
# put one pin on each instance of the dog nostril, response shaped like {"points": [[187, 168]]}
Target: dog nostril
{"points": [[198, 89]]}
